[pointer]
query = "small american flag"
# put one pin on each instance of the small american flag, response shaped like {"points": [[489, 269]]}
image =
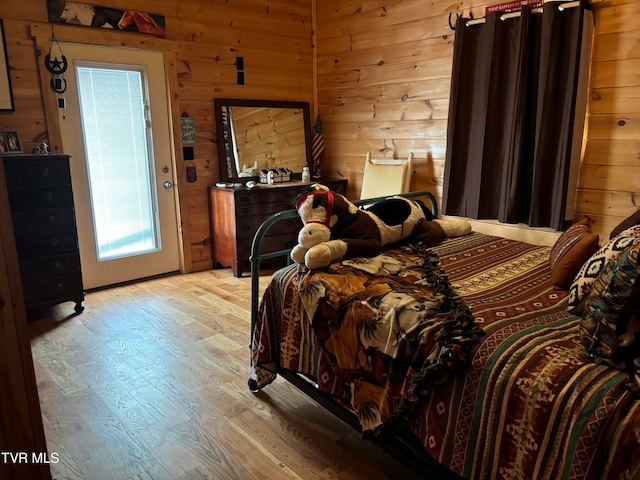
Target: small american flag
{"points": [[317, 144]]}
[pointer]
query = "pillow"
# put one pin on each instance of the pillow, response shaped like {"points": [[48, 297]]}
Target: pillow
{"points": [[634, 219], [606, 330], [591, 269], [574, 247]]}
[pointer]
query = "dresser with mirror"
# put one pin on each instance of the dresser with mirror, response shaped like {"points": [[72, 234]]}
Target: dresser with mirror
{"points": [[256, 136]]}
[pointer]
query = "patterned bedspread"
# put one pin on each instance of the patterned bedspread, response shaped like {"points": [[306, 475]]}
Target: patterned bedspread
{"points": [[529, 404]]}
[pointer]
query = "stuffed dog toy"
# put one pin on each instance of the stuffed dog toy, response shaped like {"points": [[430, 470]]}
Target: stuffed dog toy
{"points": [[334, 228]]}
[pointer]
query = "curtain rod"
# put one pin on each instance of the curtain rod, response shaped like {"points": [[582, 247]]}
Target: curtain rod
{"points": [[506, 16]]}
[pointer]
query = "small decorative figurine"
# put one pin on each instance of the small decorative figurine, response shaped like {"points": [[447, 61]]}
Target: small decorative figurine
{"points": [[42, 149]]}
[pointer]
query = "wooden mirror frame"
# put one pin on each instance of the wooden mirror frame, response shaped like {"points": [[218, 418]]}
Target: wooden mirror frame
{"points": [[219, 103]]}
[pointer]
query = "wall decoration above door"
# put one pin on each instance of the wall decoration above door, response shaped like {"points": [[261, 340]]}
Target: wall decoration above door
{"points": [[77, 13]]}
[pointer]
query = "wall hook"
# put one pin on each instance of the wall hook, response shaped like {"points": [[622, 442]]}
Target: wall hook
{"points": [[452, 25]]}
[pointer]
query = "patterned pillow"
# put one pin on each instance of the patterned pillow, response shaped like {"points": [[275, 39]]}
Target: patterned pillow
{"points": [[609, 336], [574, 247], [591, 269]]}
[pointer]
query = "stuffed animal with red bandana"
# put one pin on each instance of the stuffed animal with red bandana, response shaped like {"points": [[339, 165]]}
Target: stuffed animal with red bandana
{"points": [[334, 228]]}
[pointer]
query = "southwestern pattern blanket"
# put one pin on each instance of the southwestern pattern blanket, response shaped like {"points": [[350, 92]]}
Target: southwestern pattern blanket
{"points": [[390, 329], [529, 404]]}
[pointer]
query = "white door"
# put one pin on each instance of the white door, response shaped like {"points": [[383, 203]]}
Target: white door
{"points": [[116, 127]]}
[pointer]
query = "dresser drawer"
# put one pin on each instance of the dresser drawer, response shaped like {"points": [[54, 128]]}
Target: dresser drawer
{"points": [[270, 243], [48, 266], [284, 195], [22, 172], [262, 209], [52, 288], [246, 227], [38, 221], [29, 244], [29, 198]]}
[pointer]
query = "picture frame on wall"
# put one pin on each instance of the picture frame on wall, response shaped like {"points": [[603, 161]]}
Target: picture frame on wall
{"points": [[10, 142], [96, 16], [6, 94]]}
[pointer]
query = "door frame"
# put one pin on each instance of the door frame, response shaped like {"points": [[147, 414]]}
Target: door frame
{"points": [[42, 32]]}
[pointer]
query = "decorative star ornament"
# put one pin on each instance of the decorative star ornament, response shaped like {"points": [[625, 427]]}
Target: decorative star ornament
{"points": [[55, 66]]}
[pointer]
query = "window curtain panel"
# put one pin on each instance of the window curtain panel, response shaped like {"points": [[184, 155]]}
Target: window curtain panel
{"points": [[511, 116]]}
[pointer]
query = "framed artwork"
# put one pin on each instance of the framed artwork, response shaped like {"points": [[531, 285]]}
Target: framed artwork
{"points": [[6, 95], [10, 142], [188, 125], [78, 13]]}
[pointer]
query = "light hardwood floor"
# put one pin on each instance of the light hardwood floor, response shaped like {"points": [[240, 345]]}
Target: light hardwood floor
{"points": [[150, 382]]}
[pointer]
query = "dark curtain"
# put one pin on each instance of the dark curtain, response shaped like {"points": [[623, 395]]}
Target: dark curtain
{"points": [[511, 116]]}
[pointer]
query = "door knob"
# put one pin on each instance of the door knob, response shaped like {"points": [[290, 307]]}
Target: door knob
{"points": [[167, 184]]}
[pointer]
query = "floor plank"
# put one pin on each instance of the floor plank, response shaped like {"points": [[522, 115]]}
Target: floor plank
{"points": [[150, 382]]}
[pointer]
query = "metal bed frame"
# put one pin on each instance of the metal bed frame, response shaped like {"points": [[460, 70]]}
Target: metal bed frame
{"points": [[397, 442]]}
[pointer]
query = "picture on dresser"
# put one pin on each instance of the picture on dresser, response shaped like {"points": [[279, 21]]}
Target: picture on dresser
{"points": [[10, 142]]}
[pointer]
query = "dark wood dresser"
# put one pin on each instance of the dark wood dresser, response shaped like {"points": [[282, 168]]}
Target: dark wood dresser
{"points": [[236, 213], [44, 224]]}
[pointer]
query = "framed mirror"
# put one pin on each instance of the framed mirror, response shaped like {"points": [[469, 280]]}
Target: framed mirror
{"points": [[261, 134]]}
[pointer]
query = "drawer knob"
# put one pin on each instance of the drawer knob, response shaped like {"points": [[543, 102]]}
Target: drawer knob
{"points": [[245, 211], [55, 241], [52, 219], [58, 265], [59, 285], [44, 172]]}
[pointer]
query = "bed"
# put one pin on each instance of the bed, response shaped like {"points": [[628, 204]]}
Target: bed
{"points": [[461, 357]]}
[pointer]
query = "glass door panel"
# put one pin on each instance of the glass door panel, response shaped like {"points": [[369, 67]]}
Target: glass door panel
{"points": [[124, 205]]}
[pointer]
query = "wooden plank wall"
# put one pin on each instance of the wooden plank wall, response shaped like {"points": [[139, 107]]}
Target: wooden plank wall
{"points": [[383, 75], [609, 181], [273, 36], [384, 72]]}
